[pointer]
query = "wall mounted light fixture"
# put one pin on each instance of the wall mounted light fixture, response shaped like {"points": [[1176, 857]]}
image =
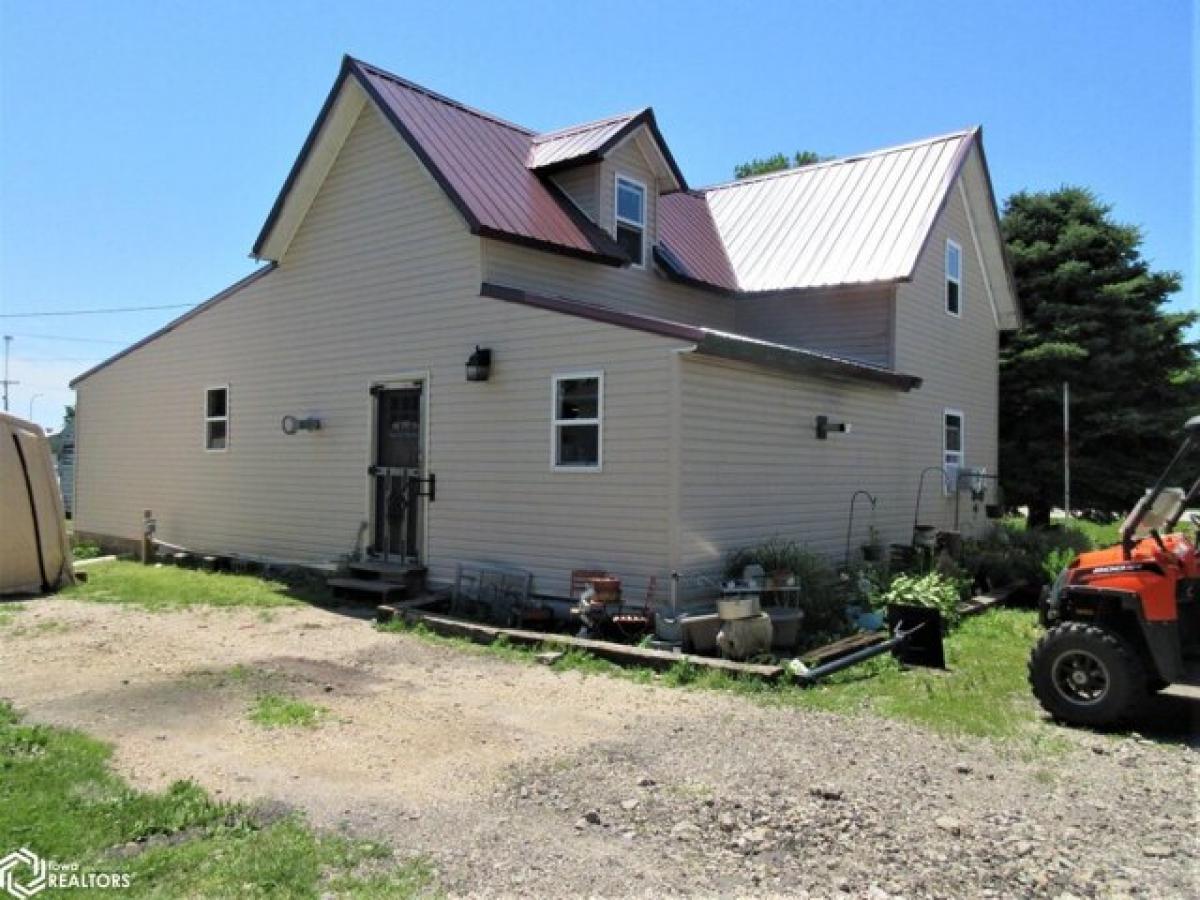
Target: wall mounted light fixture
{"points": [[290, 424], [479, 364], [824, 426]]}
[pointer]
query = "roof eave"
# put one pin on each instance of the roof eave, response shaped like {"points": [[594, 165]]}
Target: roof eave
{"points": [[176, 322], [800, 362], [264, 234]]}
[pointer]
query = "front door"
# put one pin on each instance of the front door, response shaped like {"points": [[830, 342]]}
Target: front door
{"points": [[397, 472]]}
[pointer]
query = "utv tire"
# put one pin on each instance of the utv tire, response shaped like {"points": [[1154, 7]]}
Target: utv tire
{"points": [[1086, 675]]}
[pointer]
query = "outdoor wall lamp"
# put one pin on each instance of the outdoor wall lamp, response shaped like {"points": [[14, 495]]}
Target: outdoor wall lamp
{"points": [[824, 426], [290, 424], [479, 364]]}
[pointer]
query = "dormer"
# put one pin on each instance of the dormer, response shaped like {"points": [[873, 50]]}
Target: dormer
{"points": [[613, 170]]}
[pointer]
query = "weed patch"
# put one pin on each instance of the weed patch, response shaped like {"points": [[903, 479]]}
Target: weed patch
{"points": [[276, 711]]}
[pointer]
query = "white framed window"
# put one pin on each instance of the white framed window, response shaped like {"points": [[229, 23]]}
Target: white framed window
{"points": [[953, 445], [954, 279], [630, 207], [216, 418], [577, 430]]}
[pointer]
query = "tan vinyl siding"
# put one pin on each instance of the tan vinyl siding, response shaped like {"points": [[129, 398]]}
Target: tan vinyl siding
{"points": [[751, 466], [381, 281], [582, 185], [855, 323], [957, 356]]}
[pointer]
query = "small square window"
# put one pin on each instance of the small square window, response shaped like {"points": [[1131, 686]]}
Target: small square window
{"points": [[953, 278], [577, 421], [216, 418]]}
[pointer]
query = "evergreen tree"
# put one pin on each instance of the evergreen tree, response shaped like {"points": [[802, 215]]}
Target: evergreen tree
{"points": [[1094, 317]]}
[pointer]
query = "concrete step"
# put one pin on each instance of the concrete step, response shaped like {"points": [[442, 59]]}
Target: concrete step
{"points": [[383, 590], [412, 576]]}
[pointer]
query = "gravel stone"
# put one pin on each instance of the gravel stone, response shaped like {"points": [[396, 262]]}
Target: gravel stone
{"points": [[735, 798]]}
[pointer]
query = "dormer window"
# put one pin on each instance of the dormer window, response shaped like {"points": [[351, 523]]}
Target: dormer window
{"points": [[953, 279], [630, 208]]}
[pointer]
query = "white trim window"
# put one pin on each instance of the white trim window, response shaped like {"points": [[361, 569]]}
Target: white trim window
{"points": [[953, 447], [577, 429], [629, 205], [216, 418], [954, 279]]}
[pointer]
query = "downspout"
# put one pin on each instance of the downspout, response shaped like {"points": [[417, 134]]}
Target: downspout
{"points": [[675, 459]]}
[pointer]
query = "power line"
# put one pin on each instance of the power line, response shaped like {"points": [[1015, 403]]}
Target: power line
{"points": [[73, 340], [92, 312]]}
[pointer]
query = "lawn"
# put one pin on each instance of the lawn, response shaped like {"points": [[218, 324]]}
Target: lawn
{"points": [[59, 798], [162, 588]]}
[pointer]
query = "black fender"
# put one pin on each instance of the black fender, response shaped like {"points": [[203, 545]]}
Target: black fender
{"points": [[1122, 612]]}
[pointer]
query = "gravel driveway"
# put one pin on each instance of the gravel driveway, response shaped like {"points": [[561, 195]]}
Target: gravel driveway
{"points": [[521, 780]]}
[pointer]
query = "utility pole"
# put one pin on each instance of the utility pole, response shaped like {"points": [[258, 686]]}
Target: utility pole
{"points": [[5, 380], [1067, 448]]}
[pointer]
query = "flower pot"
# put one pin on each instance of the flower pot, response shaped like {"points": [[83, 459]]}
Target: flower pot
{"points": [[785, 627], [668, 629], [700, 632], [925, 536], [738, 606]]}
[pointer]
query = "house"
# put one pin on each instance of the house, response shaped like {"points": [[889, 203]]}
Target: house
{"points": [[647, 361]]}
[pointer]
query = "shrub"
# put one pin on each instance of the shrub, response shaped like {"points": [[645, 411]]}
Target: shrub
{"points": [[941, 592], [86, 550], [1012, 555]]}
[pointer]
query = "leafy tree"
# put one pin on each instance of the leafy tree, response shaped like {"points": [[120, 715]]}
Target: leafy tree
{"points": [[1094, 317], [777, 163]]}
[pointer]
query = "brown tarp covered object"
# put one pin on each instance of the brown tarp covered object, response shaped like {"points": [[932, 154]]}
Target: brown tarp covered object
{"points": [[35, 555]]}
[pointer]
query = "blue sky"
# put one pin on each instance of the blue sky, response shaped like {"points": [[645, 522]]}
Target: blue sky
{"points": [[142, 144]]}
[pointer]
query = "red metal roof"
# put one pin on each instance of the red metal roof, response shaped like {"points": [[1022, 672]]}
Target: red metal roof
{"points": [[689, 244], [568, 145], [847, 221], [480, 161]]}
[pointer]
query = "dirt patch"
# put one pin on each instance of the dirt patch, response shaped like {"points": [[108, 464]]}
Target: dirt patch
{"points": [[522, 779]]}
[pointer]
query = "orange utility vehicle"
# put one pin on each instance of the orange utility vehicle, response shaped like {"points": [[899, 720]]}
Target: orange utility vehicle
{"points": [[1124, 622]]}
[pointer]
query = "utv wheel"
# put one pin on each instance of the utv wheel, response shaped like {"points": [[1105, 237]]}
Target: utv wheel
{"points": [[1086, 675]]}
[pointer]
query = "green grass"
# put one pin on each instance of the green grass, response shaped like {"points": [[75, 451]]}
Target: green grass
{"points": [[163, 588], [983, 693], [59, 797], [275, 711], [1101, 534]]}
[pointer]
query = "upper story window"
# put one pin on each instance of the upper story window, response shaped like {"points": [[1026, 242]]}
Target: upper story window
{"points": [[578, 416], [216, 418], [953, 278], [630, 206], [952, 447]]}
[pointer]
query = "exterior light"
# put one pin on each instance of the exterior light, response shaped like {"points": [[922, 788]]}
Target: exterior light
{"points": [[290, 424], [824, 426], [479, 364]]}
